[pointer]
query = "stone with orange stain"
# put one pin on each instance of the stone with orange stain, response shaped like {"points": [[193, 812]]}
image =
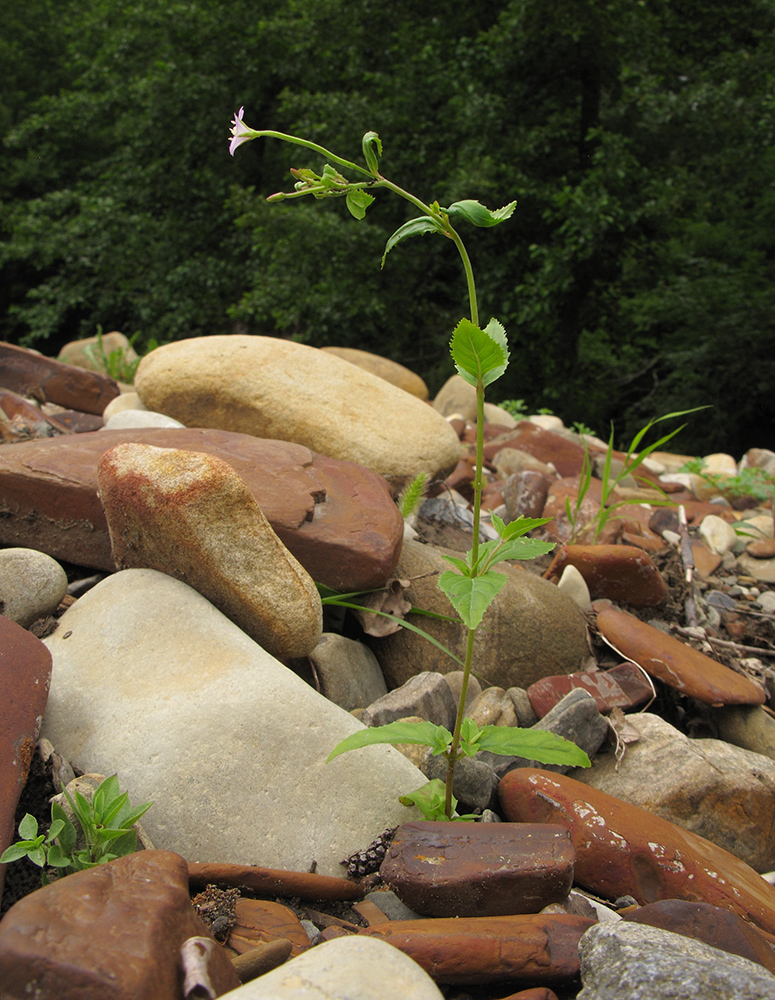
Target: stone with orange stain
{"points": [[259, 921], [29, 373], [566, 455], [616, 572], [533, 948], [622, 849], [623, 686], [25, 672], [273, 881], [478, 869], [673, 662]]}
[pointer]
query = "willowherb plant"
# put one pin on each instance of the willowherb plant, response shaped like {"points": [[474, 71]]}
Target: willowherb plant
{"points": [[481, 356]]}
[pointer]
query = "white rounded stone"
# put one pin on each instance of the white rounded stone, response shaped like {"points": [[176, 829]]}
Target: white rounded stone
{"points": [[32, 584], [717, 534], [131, 419]]}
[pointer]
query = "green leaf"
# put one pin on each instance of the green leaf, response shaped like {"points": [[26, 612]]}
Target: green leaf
{"points": [[460, 564], [68, 836], [28, 828], [429, 799], [15, 851], [479, 354], [57, 826], [37, 856], [522, 548], [422, 733], [471, 596], [57, 857], [371, 144], [415, 227], [357, 201], [534, 744], [478, 215], [519, 526], [130, 817], [125, 845]]}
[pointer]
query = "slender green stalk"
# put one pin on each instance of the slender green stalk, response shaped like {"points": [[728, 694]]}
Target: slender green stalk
{"points": [[265, 133]]}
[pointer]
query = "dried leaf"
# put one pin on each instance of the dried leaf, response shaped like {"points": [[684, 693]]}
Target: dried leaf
{"points": [[624, 732], [194, 954], [389, 601]]}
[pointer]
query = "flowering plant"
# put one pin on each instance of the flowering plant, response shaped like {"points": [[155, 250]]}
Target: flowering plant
{"points": [[481, 356]]}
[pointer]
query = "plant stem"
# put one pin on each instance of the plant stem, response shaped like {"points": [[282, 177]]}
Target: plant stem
{"points": [[265, 133], [452, 752]]}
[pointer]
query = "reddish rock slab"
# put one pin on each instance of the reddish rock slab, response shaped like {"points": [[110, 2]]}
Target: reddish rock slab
{"points": [[273, 881], [25, 672], [623, 686], [536, 993], [674, 663], [113, 932], [715, 926], [478, 869], [623, 850], [567, 489], [21, 421], [705, 562], [48, 381], [616, 572], [762, 548], [525, 493], [537, 948], [260, 921], [566, 455], [336, 517]]}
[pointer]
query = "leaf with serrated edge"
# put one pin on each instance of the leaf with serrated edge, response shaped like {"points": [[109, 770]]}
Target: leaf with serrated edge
{"points": [[471, 596], [519, 526], [369, 141], [477, 214], [477, 353], [533, 744], [415, 227], [357, 202], [522, 548], [422, 733]]}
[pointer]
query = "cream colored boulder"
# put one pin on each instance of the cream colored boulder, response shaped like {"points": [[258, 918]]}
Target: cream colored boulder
{"points": [[190, 515], [384, 368], [291, 392]]}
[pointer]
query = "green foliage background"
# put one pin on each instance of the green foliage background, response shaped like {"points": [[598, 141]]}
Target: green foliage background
{"points": [[635, 278]]}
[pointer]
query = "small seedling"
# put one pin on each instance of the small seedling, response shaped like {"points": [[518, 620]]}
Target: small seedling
{"points": [[480, 356], [106, 824]]}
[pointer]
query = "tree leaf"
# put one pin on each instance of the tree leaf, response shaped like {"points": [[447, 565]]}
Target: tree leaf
{"points": [[534, 744], [522, 548], [415, 227], [422, 733], [57, 857], [476, 213], [479, 354], [28, 828], [519, 526], [371, 144], [15, 851], [357, 201], [471, 596]]}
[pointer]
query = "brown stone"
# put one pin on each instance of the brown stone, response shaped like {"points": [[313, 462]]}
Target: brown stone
{"points": [[113, 932], [273, 881], [623, 686], [31, 374], [674, 663], [705, 562], [762, 548], [534, 948], [259, 921], [625, 850], [478, 869], [567, 489], [390, 371], [566, 455], [49, 501], [525, 493], [535, 993], [263, 958], [25, 672], [715, 926], [618, 572]]}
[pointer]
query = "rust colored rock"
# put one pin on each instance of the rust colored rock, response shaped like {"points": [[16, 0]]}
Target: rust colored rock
{"points": [[21, 421], [715, 926], [478, 869], [49, 381], [260, 921], [623, 850], [49, 501], [623, 686], [113, 932], [535, 993], [534, 948], [674, 663], [273, 881], [566, 455], [617, 572], [25, 672], [525, 493], [762, 548], [705, 562], [567, 489]]}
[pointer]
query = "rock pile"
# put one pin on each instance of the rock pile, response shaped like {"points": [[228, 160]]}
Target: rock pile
{"points": [[184, 646]]}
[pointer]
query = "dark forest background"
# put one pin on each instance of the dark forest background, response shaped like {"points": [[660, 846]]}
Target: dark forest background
{"points": [[635, 278]]}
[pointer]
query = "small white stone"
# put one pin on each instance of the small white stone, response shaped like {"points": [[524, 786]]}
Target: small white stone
{"points": [[547, 421], [718, 534], [31, 585], [131, 419], [126, 401], [573, 584]]}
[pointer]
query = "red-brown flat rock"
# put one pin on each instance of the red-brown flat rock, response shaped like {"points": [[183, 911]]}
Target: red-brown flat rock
{"points": [[273, 881], [25, 672], [336, 517], [566, 455], [623, 686], [625, 850], [535, 948], [112, 932], [259, 921], [715, 926], [478, 869], [31, 374], [617, 572], [674, 663]]}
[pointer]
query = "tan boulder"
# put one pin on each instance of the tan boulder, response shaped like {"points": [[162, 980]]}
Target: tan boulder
{"points": [[292, 392], [189, 515], [384, 368]]}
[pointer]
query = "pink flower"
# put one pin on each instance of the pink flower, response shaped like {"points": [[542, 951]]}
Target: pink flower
{"points": [[240, 132]]}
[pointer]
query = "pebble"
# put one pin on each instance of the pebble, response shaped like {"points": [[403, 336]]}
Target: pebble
{"points": [[29, 373], [32, 585], [426, 694], [347, 671], [623, 686], [130, 419], [718, 534], [616, 572]]}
